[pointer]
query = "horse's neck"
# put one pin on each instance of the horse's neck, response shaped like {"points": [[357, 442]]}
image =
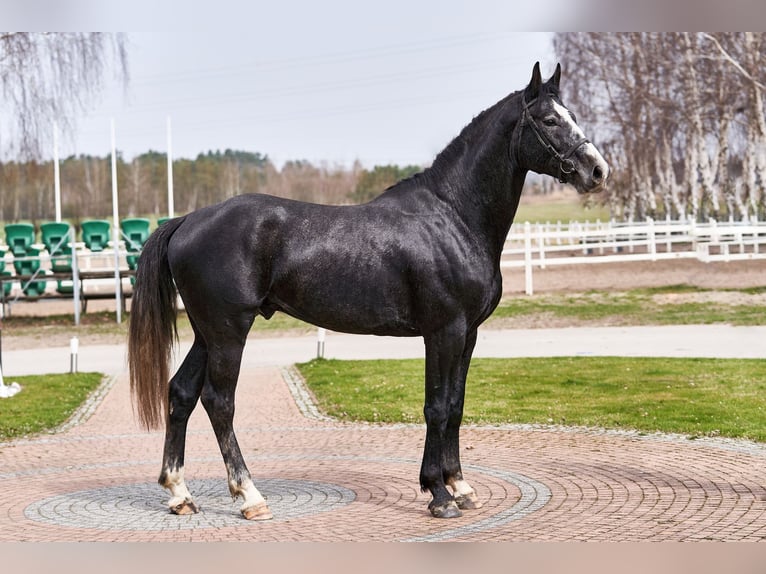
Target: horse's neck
{"points": [[478, 174], [493, 222], [485, 189]]}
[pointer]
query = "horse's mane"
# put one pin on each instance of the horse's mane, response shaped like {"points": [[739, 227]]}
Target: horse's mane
{"points": [[472, 135]]}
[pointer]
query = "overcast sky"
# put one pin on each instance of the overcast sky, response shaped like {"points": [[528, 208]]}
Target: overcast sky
{"points": [[385, 82], [332, 80]]}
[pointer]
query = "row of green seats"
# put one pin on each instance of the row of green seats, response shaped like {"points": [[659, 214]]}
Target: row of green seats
{"points": [[95, 233]]}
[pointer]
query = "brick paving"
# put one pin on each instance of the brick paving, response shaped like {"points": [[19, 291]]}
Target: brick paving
{"points": [[330, 481]]}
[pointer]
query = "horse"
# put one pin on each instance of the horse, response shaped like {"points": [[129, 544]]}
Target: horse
{"points": [[420, 260]]}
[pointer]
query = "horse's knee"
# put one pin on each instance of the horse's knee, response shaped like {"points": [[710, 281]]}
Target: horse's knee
{"points": [[436, 417]]}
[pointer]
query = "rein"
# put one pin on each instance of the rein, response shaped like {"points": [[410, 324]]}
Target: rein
{"points": [[566, 165]]}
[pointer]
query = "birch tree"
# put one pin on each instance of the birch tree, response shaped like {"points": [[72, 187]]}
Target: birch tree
{"points": [[681, 116], [51, 76]]}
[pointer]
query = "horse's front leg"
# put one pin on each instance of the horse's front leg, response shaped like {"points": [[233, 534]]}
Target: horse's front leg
{"points": [[464, 495], [443, 359]]}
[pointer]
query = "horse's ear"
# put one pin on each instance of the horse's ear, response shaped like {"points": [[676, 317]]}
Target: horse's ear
{"points": [[555, 78], [533, 89]]}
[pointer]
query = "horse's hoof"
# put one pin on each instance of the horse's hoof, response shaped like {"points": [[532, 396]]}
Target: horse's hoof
{"points": [[184, 507], [258, 512], [447, 510], [468, 502]]}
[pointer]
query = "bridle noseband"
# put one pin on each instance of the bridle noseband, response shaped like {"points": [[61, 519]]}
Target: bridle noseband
{"points": [[566, 165]]}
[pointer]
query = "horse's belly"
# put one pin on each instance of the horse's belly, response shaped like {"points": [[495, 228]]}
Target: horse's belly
{"points": [[346, 316], [346, 305]]}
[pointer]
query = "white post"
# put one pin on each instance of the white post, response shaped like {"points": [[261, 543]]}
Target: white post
{"points": [[668, 234], [527, 258], [321, 332], [56, 172], [652, 239], [74, 346], [602, 236], [171, 203], [75, 278], [116, 231]]}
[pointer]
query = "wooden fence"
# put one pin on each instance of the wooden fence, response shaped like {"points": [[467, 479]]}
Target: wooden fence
{"points": [[581, 243]]}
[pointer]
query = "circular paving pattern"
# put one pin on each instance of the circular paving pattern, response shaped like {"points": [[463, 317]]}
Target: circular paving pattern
{"points": [[140, 507], [352, 482]]}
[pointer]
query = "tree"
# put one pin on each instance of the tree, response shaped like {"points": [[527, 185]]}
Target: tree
{"points": [[681, 117], [47, 77], [373, 183]]}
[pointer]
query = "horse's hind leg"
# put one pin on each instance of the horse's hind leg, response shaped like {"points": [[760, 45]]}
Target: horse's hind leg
{"points": [[218, 400], [184, 392]]}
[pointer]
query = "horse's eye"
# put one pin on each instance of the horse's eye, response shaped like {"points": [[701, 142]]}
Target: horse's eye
{"points": [[550, 122]]}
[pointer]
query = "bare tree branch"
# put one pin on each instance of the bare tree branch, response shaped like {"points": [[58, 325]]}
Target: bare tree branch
{"points": [[47, 77], [732, 61], [681, 117]]}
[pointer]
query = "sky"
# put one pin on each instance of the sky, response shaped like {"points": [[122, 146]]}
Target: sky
{"points": [[331, 81], [392, 83]]}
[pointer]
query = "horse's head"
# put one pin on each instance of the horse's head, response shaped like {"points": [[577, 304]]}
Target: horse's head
{"points": [[550, 141]]}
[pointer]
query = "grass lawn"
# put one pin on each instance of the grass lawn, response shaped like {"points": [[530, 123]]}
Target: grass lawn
{"points": [[44, 403], [695, 397], [636, 307], [564, 209], [689, 396]]}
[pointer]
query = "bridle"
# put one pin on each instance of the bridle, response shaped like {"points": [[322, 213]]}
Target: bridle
{"points": [[566, 165]]}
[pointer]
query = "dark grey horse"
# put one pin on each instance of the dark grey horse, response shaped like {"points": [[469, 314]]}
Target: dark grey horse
{"points": [[422, 259]]}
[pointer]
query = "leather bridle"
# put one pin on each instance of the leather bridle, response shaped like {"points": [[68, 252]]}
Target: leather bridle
{"points": [[566, 165]]}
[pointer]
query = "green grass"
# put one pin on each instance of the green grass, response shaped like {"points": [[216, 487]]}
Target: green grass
{"points": [[636, 307], [695, 397], [44, 403], [564, 210]]}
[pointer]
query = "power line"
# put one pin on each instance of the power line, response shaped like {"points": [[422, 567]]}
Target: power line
{"points": [[310, 89], [322, 59]]}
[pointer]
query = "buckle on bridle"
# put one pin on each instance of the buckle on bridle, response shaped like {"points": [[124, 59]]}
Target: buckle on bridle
{"points": [[566, 165]]}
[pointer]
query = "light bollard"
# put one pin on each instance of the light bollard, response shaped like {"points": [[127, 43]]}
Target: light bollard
{"points": [[74, 347], [320, 342]]}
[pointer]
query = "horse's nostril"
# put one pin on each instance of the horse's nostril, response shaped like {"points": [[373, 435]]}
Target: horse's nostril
{"points": [[598, 173]]}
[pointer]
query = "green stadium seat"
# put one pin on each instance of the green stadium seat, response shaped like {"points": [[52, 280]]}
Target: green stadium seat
{"points": [[135, 232], [56, 238], [19, 237], [3, 273], [95, 234], [25, 269]]}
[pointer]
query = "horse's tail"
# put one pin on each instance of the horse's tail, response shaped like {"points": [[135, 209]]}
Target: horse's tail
{"points": [[152, 328]]}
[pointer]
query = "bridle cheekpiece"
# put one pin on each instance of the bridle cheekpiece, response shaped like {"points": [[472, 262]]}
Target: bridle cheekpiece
{"points": [[566, 165]]}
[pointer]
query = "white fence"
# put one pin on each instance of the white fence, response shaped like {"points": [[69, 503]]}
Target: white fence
{"points": [[543, 244]]}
